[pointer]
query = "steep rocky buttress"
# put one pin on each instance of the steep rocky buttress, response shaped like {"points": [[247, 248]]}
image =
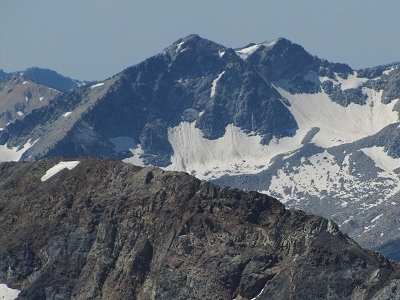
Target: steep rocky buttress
{"points": [[110, 230]]}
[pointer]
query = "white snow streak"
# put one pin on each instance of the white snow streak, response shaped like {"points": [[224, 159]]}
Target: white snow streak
{"points": [[67, 113], [245, 52], [376, 218], [214, 84], [58, 167], [178, 47], [97, 85]]}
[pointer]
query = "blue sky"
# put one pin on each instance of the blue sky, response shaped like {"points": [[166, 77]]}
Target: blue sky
{"points": [[93, 40]]}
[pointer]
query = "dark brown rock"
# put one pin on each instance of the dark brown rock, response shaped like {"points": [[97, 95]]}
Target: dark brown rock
{"points": [[109, 230]]}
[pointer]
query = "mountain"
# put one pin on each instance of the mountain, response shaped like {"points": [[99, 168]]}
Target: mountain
{"points": [[52, 78], [104, 229], [3, 74], [19, 96], [318, 136], [46, 77]]}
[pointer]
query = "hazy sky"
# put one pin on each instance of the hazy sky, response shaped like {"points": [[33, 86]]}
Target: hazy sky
{"points": [[93, 40]]}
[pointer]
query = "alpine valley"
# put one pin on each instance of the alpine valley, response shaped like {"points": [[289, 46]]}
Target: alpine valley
{"points": [[316, 135]]}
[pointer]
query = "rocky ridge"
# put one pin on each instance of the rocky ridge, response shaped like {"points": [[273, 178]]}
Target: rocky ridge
{"points": [[109, 230]]}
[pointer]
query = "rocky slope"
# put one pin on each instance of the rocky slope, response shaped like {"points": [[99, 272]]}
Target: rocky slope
{"points": [[102, 229], [19, 96]]}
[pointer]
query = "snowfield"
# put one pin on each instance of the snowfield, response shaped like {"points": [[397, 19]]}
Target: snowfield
{"points": [[381, 159], [234, 153], [7, 293], [339, 124], [13, 154], [240, 153]]}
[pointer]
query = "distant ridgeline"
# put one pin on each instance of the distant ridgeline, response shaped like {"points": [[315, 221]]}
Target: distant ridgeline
{"points": [[47, 77]]}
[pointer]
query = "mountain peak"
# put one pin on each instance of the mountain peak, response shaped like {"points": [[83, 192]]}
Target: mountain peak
{"points": [[193, 41]]}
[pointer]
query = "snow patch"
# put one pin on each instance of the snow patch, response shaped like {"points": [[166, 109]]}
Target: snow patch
{"points": [[387, 72], [97, 85], [58, 167], [26, 82], [20, 113], [15, 153], [351, 82], [7, 293], [135, 159], [246, 52], [271, 43], [339, 124], [234, 153], [67, 113], [221, 53], [178, 47], [214, 83], [41, 98], [381, 159]]}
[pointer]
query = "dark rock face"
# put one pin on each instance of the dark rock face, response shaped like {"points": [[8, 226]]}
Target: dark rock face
{"points": [[345, 97], [194, 80], [108, 230]]}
